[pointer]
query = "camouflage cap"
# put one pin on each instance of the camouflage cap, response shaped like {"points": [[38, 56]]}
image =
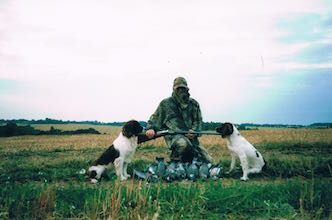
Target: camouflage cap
{"points": [[180, 82]]}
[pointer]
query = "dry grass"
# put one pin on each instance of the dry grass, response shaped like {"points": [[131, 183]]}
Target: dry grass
{"points": [[48, 142], [44, 205], [149, 150], [103, 129]]}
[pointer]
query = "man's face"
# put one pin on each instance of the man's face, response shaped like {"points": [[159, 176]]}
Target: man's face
{"points": [[183, 93], [181, 90]]}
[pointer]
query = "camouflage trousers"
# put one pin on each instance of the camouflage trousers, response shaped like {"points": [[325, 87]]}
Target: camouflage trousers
{"points": [[184, 149]]}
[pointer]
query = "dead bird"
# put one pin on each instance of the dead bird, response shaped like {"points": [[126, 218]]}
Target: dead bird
{"points": [[152, 169], [140, 175], [215, 171], [204, 171], [180, 171], [193, 170], [153, 178], [161, 168], [170, 174]]}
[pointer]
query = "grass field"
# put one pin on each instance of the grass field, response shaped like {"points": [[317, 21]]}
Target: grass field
{"points": [[40, 179]]}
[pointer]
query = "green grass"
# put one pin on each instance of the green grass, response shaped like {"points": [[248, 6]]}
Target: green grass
{"points": [[300, 148], [46, 184], [210, 200]]}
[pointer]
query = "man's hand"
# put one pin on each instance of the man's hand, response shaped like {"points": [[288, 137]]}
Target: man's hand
{"points": [[190, 136], [150, 133]]}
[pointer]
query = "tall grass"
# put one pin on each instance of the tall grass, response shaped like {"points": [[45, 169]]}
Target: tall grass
{"points": [[137, 200]]}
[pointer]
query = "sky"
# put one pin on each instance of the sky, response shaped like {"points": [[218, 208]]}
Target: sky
{"points": [[252, 61]]}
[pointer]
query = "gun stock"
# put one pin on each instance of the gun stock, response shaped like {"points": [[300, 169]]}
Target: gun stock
{"points": [[143, 138]]}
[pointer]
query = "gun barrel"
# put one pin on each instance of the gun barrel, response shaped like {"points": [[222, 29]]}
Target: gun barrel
{"points": [[142, 137], [197, 132]]}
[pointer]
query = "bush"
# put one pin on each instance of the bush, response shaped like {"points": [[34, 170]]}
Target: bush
{"points": [[11, 129]]}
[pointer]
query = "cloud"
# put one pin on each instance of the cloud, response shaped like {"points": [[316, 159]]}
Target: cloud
{"points": [[315, 53], [313, 33], [296, 97], [84, 60], [303, 28]]}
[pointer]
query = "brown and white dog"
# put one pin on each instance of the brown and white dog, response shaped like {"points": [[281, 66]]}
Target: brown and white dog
{"points": [[120, 153], [251, 160]]}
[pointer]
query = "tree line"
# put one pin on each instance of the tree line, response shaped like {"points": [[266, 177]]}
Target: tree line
{"points": [[12, 129]]}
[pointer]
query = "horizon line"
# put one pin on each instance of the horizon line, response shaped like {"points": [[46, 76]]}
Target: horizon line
{"points": [[102, 122]]}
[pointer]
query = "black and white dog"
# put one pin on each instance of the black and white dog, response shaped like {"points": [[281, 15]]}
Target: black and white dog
{"points": [[120, 153], [251, 160]]}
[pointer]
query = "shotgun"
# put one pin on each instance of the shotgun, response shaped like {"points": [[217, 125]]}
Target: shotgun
{"points": [[142, 137]]}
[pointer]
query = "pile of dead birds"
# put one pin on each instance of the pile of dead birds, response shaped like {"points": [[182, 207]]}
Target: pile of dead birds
{"points": [[177, 171]]}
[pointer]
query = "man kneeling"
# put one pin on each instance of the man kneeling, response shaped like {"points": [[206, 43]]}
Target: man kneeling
{"points": [[179, 112]]}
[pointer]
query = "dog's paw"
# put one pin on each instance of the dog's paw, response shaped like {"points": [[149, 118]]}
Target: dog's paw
{"points": [[94, 181], [128, 176], [122, 178], [244, 178]]}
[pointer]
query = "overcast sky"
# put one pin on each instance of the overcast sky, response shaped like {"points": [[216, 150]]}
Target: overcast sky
{"points": [[245, 61]]}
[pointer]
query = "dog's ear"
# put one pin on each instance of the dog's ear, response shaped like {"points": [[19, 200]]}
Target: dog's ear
{"points": [[131, 128], [127, 129], [229, 128], [138, 128]]}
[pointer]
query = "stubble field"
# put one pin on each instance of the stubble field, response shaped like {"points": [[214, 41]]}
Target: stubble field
{"points": [[40, 178]]}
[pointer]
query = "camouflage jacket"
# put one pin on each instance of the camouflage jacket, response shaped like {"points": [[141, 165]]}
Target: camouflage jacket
{"points": [[169, 115]]}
